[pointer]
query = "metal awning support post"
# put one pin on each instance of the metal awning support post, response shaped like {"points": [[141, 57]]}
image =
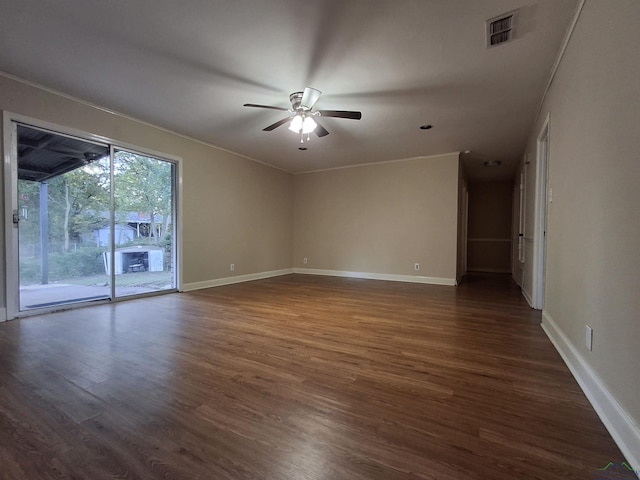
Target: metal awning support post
{"points": [[44, 232]]}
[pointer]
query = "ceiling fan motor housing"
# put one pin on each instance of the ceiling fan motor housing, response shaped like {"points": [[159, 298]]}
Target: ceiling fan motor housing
{"points": [[296, 98]]}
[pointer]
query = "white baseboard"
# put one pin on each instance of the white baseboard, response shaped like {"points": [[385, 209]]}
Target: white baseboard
{"points": [[378, 276], [527, 296], [623, 428], [187, 287], [3, 314]]}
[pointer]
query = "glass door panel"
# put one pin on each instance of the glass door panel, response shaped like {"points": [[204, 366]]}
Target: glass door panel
{"points": [[144, 193], [63, 217]]}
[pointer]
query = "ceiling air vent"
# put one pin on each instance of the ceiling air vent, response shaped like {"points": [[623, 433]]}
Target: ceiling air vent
{"points": [[500, 29]]}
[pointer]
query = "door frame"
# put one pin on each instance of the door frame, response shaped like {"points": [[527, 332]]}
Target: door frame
{"points": [[10, 184], [540, 218]]}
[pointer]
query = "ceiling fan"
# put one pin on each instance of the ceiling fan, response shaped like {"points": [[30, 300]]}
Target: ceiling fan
{"points": [[301, 121]]}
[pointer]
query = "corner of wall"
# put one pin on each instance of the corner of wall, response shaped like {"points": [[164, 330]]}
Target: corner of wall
{"points": [[622, 427], [218, 282]]}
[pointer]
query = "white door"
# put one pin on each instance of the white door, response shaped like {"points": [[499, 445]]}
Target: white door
{"points": [[540, 234]]}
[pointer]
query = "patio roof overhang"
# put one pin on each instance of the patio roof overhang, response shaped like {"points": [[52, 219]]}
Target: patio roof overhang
{"points": [[44, 155]]}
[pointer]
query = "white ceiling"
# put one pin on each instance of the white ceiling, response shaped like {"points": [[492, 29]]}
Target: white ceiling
{"points": [[190, 66]]}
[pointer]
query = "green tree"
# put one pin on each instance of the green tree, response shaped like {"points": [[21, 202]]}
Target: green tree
{"points": [[78, 203], [144, 185]]}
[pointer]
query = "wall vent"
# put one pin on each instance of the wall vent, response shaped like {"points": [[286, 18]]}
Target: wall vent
{"points": [[501, 29]]}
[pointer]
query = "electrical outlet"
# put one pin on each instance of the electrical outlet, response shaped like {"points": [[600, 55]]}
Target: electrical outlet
{"points": [[589, 338], [304, 260], [416, 266], [232, 267]]}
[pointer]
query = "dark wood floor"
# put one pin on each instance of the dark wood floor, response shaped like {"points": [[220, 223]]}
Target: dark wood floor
{"points": [[296, 377]]}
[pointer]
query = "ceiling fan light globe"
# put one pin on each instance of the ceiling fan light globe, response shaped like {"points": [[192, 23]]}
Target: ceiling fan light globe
{"points": [[308, 125], [296, 124]]}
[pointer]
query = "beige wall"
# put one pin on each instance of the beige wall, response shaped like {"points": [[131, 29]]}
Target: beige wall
{"points": [[235, 210], [593, 260], [380, 218], [489, 235]]}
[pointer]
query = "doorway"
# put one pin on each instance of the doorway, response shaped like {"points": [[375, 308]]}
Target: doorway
{"points": [[91, 222]]}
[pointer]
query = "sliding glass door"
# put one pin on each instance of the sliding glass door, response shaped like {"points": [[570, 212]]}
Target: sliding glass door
{"points": [[91, 222]]}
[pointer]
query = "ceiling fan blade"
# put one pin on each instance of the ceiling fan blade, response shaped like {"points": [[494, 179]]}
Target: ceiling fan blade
{"points": [[320, 130], [341, 114], [265, 106], [273, 126], [309, 97]]}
